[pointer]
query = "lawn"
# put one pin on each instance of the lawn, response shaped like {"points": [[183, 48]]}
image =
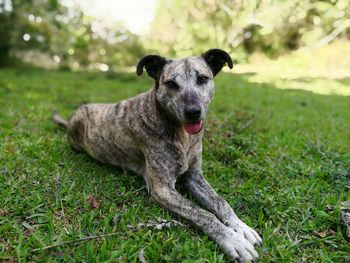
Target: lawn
{"points": [[280, 157]]}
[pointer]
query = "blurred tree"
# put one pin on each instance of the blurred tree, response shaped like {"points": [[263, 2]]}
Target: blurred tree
{"points": [[184, 27], [180, 28], [26, 25], [64, 34], [6, 19]]}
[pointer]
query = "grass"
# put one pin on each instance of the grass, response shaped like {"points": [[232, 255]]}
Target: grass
{"points": [[278, 156]]}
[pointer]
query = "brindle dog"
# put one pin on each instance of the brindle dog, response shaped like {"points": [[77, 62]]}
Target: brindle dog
{"points": [[158, 135]]}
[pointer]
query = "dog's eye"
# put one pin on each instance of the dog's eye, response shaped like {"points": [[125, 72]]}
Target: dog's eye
{"points": [[171, 84], [201, 80]]}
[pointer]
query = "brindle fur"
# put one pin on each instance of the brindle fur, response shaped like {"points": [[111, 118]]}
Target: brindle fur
{"points": [[144, 134]]}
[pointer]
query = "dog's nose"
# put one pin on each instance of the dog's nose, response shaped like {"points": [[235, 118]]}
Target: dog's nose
{"points": [[193, 113]]}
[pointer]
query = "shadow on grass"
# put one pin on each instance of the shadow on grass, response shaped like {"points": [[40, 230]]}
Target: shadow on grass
{"points": [[344, 81]]}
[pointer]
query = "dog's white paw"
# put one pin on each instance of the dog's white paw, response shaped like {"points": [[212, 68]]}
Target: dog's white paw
{"points": [[237, 247], [247, 232]]}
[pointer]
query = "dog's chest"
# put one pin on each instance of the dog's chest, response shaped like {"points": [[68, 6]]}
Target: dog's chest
{"points": [[185, 155], [182, 165]]}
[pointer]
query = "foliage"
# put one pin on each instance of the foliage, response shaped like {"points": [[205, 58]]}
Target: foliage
{"points": [[6, 24], [184, 27], [66, 34], [280, 158], [180, 28]]}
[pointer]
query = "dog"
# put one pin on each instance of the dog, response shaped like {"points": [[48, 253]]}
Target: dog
{"points": [[158, 135]]}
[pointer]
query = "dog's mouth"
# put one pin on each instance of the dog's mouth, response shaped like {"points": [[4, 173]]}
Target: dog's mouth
{"points": [[193, 127]]}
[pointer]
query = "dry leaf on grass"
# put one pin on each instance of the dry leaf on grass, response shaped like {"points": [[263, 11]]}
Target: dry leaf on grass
{"points": [[94, 203], [321, 234], [3, 212]]}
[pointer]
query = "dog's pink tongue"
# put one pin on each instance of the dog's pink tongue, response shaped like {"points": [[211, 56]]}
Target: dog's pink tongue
{"points": [[193, 127]]}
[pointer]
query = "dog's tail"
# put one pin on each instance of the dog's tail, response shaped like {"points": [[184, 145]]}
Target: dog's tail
{"points": [[59, 120]]}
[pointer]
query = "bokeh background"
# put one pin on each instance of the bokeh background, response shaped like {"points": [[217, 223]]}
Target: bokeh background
{"points": [[112, 35]]}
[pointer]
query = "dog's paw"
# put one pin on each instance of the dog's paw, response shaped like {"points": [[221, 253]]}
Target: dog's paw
{"points": [[237, 247], [247, 232]]}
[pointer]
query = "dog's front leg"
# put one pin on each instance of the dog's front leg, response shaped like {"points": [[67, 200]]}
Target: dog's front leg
{"points": [[162, 190], [196, 184]]}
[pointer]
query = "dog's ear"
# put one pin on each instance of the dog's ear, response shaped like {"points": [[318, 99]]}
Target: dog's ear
{"points": [[153, 64], [216, 59]]}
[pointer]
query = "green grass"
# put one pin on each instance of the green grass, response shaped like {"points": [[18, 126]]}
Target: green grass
{"points": [[279, 157]]}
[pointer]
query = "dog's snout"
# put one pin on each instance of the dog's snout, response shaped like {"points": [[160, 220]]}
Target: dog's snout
{"points": [[193, 113]]}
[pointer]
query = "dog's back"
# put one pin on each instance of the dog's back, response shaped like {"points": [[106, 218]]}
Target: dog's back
{"points": [[110, 133]]}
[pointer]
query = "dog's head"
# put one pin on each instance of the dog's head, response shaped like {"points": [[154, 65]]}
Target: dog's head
{"points": [[185, 87]]}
